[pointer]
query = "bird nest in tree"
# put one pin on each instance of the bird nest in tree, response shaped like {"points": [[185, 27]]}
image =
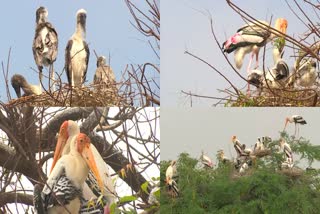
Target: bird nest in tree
{"points": [[278, 97], [262, 153], [73, 97], [293, 172]]}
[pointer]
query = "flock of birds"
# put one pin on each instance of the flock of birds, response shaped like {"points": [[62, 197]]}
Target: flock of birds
{"points": [[77, 53], [245, 156], [250, 38]]}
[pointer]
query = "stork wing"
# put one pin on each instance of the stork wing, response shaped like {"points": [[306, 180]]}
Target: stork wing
{"points": [[254, 29], [86, 48], [68, 60]]}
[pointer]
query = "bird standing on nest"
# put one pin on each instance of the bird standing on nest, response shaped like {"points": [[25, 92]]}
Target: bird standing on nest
{"points": [[45, 44], [104, 77], [77, 53], [18, 82]]}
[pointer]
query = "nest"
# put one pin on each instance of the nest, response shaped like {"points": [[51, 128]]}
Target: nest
{"points": [[293, 172], [262, 153], [83, 97], [278, 97]]}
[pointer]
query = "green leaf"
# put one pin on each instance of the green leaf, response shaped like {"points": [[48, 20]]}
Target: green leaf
{"points": [[128, 198], [144, 187]]}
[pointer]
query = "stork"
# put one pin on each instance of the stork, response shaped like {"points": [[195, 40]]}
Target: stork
{"points": [[306, 73], [67, 131], [250, 38], [221, 157], [285, 147], [104, 77], [18, 82], [77, 53], [206, 161], [45, 44], [261, 143], [171, 174], [63, 190], [296, 119]]}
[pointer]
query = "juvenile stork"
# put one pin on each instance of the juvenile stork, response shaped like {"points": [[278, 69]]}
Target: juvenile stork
{"points": [[250, 38], [297, 120], [285, 147], [77, 53], [306, 73], [104, 77], [63, 190], [18, 82], [67, 131], [221, 157], [45, 44], [206, 161], [171, 175]]}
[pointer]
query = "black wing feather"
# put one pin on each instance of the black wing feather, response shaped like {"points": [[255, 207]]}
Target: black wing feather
{"points": [[68, 60]]}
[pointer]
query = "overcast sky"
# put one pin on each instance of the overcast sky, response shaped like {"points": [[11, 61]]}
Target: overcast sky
{"points": [[185, 27], [109, 31], [196, 129]]}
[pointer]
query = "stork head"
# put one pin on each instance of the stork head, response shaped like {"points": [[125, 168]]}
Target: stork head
{"points": [[83, 146], [101, 61], [173, 163], [67, 129], [18, 81], [41, 15], [81, 18], [233, 138], [281, 25]]}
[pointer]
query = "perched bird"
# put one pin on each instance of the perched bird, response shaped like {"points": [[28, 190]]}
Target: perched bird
{"points": [[63, 190], [305, 74], [261, 143], [221, 157], [238, 147], [296, 119], [285, 147], [45, 43], [18, 82], [104, 77], [206, 161], [250, 38], [67, 131], [171, 174], [77, 53]]}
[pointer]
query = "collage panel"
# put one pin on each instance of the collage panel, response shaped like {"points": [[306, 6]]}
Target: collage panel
{"points": [[98, 160], [240, 53], [240, 160]]}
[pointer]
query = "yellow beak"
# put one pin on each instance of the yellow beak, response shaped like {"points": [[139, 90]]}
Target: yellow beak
{"points": [[58, 151]]}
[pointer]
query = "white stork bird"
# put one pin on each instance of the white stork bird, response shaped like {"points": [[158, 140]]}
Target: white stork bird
{"points": [[18, 82], [206, 161], [77, 53], [306, 73], [63, 190], [68, 130], [221, 157], [104, 77], [45, 43], [171, 174], [261, 143], [285, 147], [238, 147], [250, 38], [296, 119]]}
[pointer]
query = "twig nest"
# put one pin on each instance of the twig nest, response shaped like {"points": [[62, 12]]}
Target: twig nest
{"points": [[262, 153], [293, 172]]}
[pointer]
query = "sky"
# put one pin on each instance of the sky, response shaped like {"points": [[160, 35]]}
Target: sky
{"points": [[109, 32], [195, 129], [186, 26]]}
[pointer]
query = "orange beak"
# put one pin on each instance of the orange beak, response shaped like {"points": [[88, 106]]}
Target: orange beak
{"points": [[62, 139], [89, 158], [285, 125]]}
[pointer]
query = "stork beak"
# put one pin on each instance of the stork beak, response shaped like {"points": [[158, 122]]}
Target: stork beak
{"points": [[59, 148], [89, 158], [285, 125], [18, 91]]}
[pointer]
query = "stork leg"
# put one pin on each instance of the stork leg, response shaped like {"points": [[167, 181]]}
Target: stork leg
{"points": [[248, 72], [52, 85], [257, 60]]}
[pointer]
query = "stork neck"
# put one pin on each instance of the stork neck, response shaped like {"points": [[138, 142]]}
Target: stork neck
{"points": [[276, 55], [80, 30]]}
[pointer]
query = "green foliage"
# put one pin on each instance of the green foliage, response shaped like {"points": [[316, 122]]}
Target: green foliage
{"points": [[263, 190]]}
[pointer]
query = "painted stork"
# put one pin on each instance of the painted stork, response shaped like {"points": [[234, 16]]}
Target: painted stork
{"points": [[221, 157], [45, 43], [77, 53], [261, 143], [206, 161], [296, 119], [68, 130], [306, 74], [171, 174], [104, 76], [63, 190], [238, 147], [18, 82], [285, 147], [250, 38]]}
